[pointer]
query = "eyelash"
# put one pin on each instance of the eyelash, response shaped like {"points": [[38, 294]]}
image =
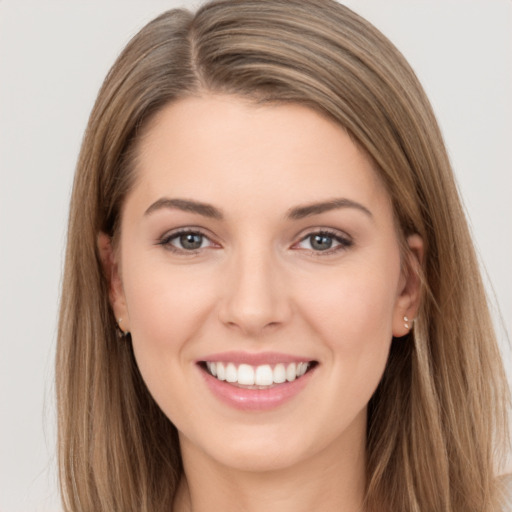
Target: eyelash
{"points": [[166, 240], [343, 241]]}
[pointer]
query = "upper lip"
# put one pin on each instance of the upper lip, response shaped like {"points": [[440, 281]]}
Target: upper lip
{"points": [[254, 359]]}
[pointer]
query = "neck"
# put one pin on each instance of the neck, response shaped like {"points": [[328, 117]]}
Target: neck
{"points": [[332, 480]]}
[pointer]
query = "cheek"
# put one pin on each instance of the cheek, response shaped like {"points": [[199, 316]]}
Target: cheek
{"points": [[354, 304], [166, 308], [353, 318]]}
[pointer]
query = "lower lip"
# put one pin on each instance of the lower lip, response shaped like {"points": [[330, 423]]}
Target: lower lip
{"points": [[256, 399]]}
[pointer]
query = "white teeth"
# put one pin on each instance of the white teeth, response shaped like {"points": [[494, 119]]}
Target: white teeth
{"points": [[245, 375], [262, 375], [231, 373], [212, 368], [279, 373], [291, 372], [221, 372]]}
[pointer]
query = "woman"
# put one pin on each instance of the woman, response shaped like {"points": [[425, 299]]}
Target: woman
{"points": [[271, 298]]}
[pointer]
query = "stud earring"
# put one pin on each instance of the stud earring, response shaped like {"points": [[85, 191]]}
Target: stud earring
{"points": [[408, 323], [119, 329]]}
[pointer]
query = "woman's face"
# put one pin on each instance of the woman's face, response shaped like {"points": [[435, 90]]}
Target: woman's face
{"points": [[258, 244]]}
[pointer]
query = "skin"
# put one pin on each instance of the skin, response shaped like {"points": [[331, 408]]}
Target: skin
{"points": [[258, 284]]}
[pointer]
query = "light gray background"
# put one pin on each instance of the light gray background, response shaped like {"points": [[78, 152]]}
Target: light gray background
{"points": [[53, 57]]}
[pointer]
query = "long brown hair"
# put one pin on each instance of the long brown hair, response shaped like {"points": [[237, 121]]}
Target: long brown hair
{"points": [[438, 419]]}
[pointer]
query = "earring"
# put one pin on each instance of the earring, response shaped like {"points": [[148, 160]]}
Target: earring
{"points": [[406, 322], [120, 332]]}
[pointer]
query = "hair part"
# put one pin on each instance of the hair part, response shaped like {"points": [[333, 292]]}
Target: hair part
{"points": [[425, 451]]}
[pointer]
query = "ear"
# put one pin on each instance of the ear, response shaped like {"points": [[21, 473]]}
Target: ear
{"points": [[409, 292], [111, 269]]}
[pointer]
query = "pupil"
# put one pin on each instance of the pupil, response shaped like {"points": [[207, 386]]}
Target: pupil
{"points": [[191, 241], [321, 242]]}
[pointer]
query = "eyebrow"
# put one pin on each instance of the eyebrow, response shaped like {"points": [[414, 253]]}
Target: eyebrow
{"points": [[296, 213], [300, 212], [186, 205]]}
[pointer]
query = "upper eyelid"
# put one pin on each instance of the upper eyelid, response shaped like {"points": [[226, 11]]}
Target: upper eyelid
{"points": [[343, 240], [335, 233], [188, 229], [167, 239]]}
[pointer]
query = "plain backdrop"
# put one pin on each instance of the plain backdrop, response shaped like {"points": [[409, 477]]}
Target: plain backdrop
{"points": [[53, 57]]}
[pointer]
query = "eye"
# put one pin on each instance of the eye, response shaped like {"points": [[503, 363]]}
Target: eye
{"points": [[324, 241], [185, 241], [190, 241]]}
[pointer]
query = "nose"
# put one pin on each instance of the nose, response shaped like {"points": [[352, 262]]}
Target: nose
{"points": [[254, 299]]}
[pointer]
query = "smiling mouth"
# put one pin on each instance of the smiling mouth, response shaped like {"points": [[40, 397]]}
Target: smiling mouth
{"points": [[263, 376]]}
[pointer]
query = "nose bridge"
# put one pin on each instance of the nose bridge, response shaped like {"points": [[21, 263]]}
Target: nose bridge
{"points": [[255, 296]]}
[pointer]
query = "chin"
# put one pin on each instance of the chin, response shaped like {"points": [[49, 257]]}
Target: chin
{"points": [[256, 457], [266, 448]]}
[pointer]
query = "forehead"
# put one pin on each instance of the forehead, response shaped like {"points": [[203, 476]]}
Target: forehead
{"points": [[225, 146]]}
